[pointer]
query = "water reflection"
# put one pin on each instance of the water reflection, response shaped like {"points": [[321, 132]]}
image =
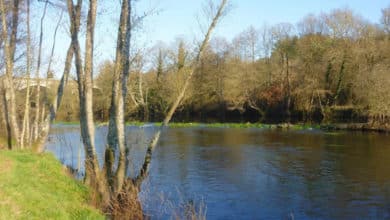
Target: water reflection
{"points": [[258, 174]]}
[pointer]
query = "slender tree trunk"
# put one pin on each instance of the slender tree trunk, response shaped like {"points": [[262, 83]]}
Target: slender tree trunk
{"points": [[48, 118], [9, 53], [86, 113], [85, 87], [148, 157], [37, 73], [116, 134], [26, 117], [339, 82], [6, 122], [288, 89], [56, 102]]}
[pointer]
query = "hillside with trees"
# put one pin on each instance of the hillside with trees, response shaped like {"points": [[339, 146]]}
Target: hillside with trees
{"points": [[328, 68]]}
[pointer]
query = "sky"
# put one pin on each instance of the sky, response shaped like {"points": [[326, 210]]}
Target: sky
{"points": [[179, 18]]}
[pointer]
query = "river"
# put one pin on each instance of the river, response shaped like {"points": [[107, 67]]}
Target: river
{"points": [[253, 173]]}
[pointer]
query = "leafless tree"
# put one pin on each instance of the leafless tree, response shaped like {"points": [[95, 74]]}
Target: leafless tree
{"points": [[216, 16], [13, 130]]}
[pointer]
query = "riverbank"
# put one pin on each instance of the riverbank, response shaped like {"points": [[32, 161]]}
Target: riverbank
{"points": [[37, 187], [211, 125], [364, 127]]}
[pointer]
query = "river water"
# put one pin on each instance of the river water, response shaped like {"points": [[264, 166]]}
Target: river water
{"points": [[253, 173]]}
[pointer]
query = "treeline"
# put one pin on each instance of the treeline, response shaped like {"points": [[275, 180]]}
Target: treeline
{"points": [[332, 67]]}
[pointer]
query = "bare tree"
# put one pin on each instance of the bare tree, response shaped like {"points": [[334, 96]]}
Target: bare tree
{"points": [[148, 157], [56, 102], [116, 128], [13, 130], [249, 43], [285, 47], [344, 23], [385, 19], [26, 118], [266, 48], [37, 75], [48, 72], [311, 24], [85, 86]]}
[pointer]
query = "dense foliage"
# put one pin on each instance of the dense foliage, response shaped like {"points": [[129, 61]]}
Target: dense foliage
{"points": [[330, 67]]}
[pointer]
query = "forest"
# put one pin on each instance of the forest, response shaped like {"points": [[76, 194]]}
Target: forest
{"points": [[328, 68]]}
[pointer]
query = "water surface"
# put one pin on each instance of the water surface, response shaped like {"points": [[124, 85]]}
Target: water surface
{"points": [[255, 173]]}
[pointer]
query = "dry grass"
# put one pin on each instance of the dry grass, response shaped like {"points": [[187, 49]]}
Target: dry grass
{"points": [[5, 166], [190, 211], [172, 205], [3, 142], [125, 205]]}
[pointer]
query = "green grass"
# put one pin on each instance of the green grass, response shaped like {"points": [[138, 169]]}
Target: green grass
{"points": [[230, 125], [67, 122], [211, 125], [37, 187]]}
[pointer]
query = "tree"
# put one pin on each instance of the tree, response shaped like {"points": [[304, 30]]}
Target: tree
{"points": [[116, 138], [311, 25], [160, 64], [344, 23], [266, 45], [13, 130], [37, 72], [103, 100], [247, 44], [217, 14], [26, 120], [285, 47], [385, 19], [312, 58], [55, 103], [85, 87], [181, 56]]}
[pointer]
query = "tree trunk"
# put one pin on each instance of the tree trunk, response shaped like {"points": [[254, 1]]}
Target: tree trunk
{"points": [[5, 117], [38, 69], [116, 130], [288, 88], [9, 53], [85, 86], [48, 118], [26, 117], [44, 133]]}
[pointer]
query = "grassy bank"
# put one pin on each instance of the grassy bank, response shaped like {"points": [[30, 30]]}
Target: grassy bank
{"points": [[38, 187], [230, 125], [299, 126], [66, 122], [209, 125]]}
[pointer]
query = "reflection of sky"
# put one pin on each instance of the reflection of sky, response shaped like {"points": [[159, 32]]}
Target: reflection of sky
{"points": [[65, 143], [266, 174]]}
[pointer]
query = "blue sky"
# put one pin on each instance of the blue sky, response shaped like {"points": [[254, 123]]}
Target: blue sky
{"points": [[178, 18]]}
